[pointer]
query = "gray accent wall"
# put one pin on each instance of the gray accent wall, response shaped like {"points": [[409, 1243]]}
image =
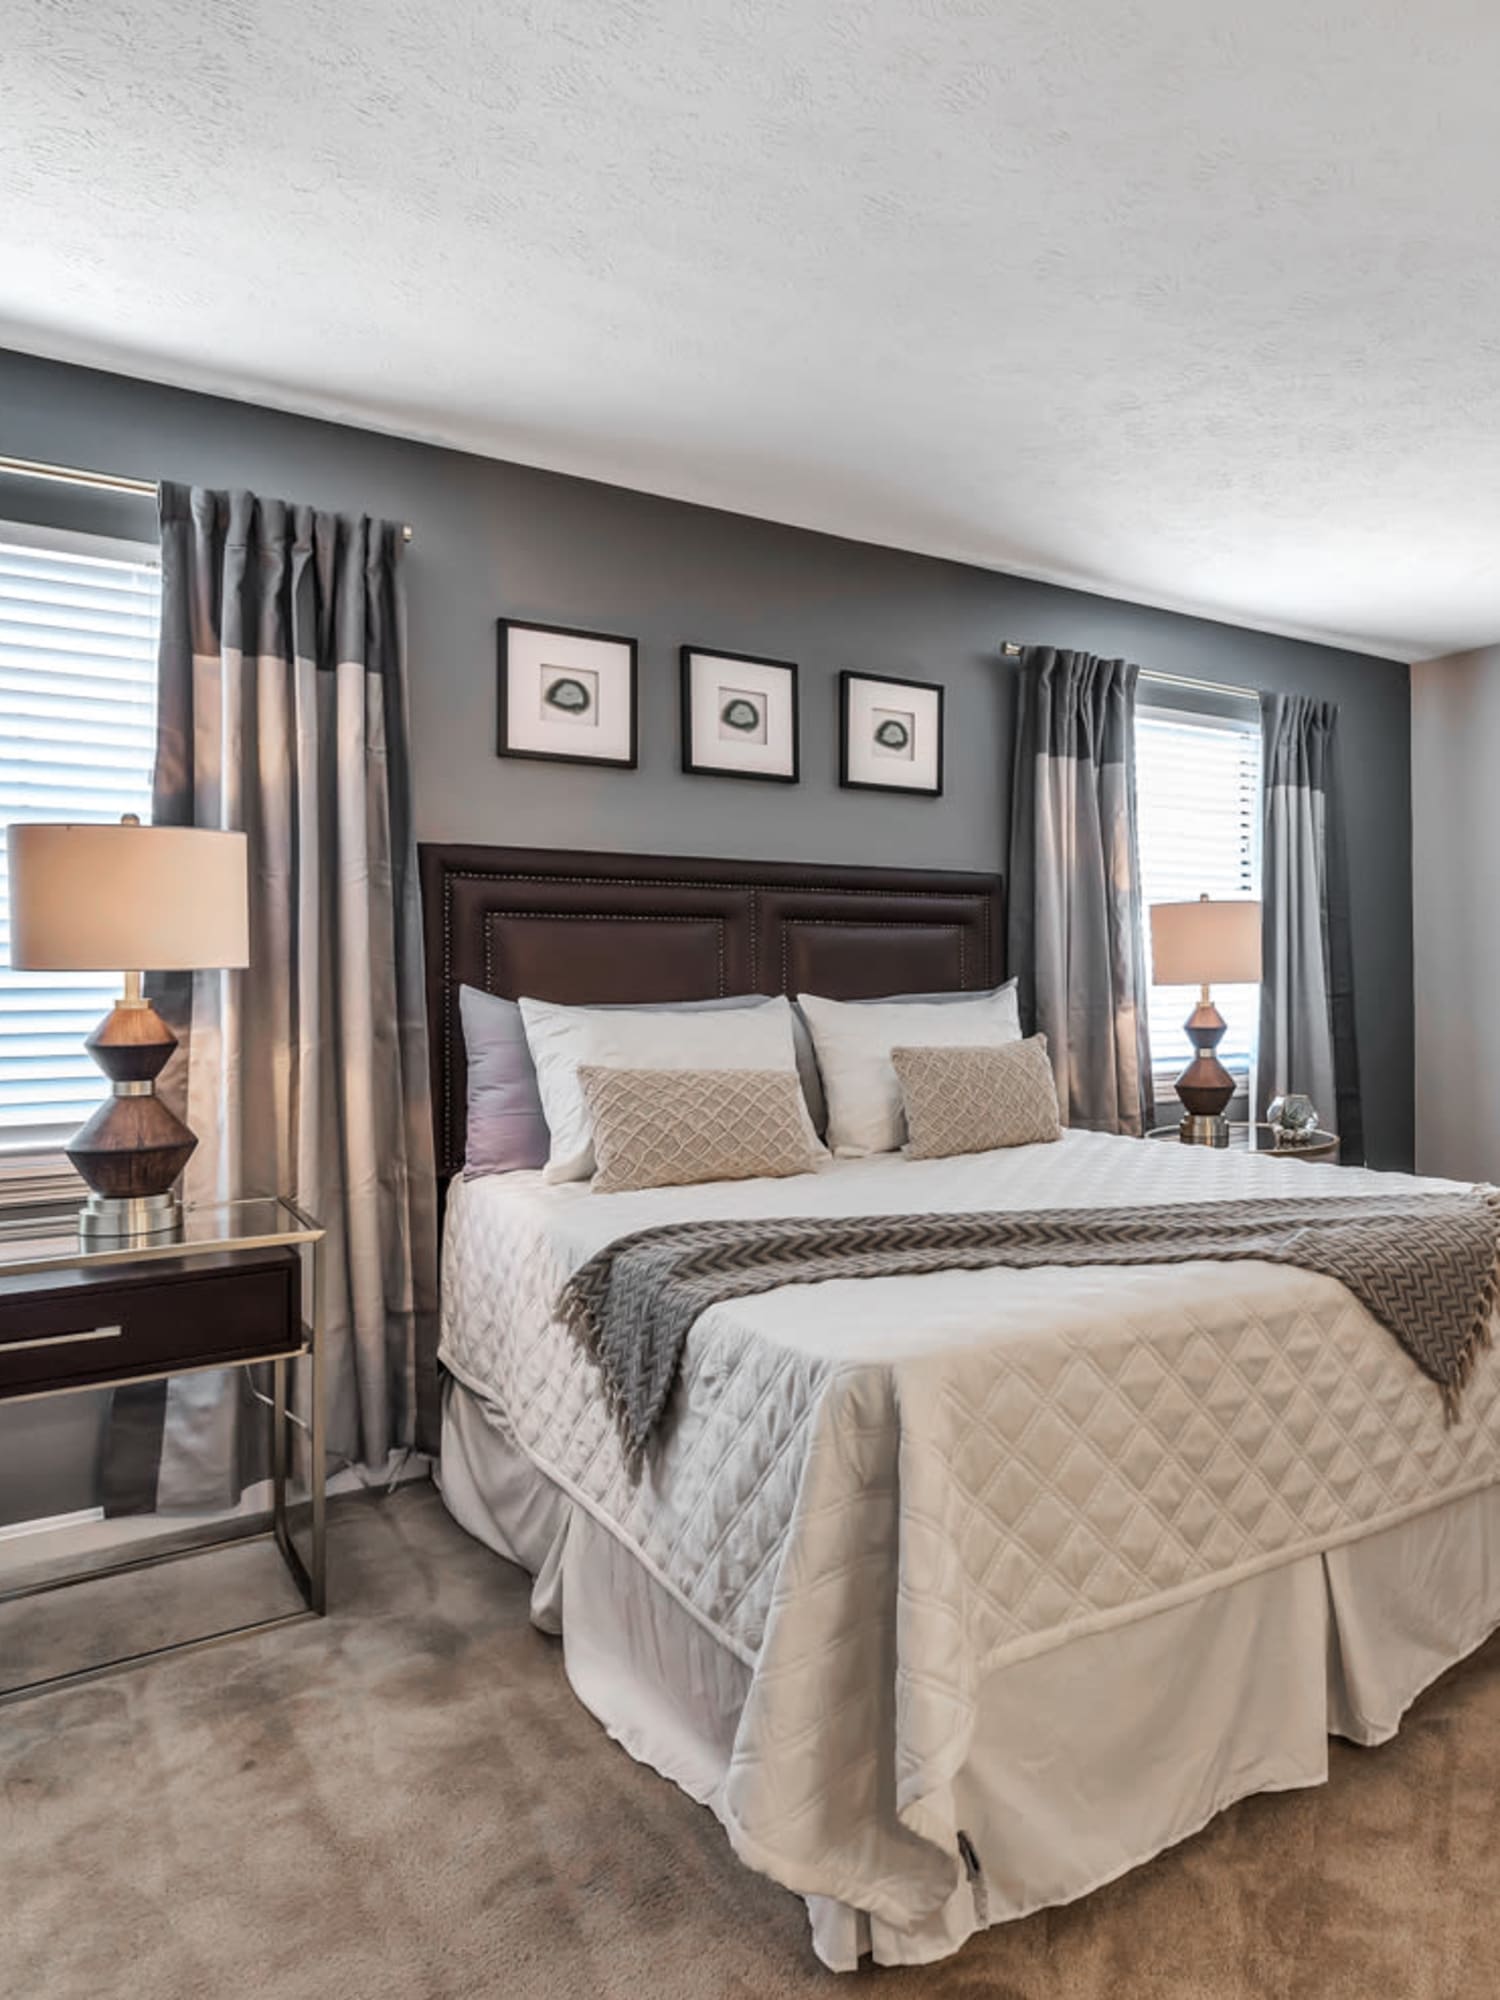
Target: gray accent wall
{"points": [[495, 539]]}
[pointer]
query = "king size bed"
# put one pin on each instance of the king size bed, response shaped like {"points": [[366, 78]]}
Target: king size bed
{"points": [[956, 1592]]}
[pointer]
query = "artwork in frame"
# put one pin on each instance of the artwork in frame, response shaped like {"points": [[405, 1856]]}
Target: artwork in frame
{"points": [[568, 697], [739, 716], [890, 735]]}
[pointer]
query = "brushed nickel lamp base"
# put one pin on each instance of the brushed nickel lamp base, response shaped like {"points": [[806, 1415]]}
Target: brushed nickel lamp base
{"points": [[145, 1218]]}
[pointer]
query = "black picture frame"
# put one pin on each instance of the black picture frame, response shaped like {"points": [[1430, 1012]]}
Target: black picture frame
{"points": [[685, 707], [504, 748], [846, 681]]}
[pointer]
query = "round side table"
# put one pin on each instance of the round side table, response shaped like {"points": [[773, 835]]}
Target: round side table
{"points": [[1262, 1138]]}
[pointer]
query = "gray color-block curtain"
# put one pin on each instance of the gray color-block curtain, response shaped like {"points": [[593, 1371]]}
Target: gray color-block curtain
{"points": [[283, 712], [1307, 1035], [1076, 943]]}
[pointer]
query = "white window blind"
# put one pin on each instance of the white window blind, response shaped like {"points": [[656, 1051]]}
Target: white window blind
{"points": [[1198, 801], [78, 631]]}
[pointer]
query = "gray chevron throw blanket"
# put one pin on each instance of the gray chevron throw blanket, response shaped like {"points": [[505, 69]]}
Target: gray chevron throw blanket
{"points": [[1424, 1265]]}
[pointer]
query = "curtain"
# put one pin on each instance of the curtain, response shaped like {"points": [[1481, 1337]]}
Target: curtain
{"points": [[283, 712], [1307, 1035], [1076, 943]]}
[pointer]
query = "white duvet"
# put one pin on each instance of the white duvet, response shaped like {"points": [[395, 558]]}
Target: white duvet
{"points": [[877, 1492]]}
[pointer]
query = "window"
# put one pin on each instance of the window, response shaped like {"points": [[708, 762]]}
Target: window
{"points": [[1198, 802], [78, 628]]}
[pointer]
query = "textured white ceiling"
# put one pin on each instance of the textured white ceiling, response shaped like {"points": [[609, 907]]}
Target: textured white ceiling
{"points": [[1198, 304]]}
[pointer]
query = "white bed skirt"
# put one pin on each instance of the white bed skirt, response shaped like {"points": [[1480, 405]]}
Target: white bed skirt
{"points": [[1089, 1759]]}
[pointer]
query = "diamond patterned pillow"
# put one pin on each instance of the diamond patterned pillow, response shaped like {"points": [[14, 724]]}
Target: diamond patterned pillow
{"points": [[671, 1128], [974, 1100]]}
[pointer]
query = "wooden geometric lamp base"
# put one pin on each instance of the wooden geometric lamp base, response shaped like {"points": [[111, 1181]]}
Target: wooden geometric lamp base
{"points": [[1205, 1086], [131, 1152]]}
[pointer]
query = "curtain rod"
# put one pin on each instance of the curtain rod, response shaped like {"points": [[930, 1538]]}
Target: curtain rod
{"points": [[103, 482], [1011, 651]]}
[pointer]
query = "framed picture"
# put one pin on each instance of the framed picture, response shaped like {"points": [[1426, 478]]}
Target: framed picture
{"points": [[739, 716], [569, 697], [890, 735]]}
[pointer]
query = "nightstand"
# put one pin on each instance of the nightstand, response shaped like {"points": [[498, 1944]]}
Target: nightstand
{"points": [[225, 1292], [1265, 1140]]}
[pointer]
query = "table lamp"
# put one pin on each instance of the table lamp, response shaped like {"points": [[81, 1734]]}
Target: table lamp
{"points": [[101, 899], [1201, 944]]}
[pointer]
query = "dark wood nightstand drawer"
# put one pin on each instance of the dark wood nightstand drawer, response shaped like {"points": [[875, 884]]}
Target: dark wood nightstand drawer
{"points": [[68, 1328]]}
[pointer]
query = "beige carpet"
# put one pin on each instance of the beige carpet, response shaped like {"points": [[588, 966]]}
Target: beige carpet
{"points": [[406, 1800]]}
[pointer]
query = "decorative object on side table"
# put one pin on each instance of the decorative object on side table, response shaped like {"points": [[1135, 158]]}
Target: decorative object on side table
{"points": [[739, 716], [1205, 944], [230, 1290], [104, 899], [890, 735], [567, 697], [1293, 1118]]}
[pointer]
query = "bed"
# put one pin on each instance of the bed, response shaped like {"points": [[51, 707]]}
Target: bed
{"points": [[953, 1596]]}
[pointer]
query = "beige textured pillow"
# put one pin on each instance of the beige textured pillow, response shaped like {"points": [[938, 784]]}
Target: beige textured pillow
{"points": [[972, 1100], [671, 1128]]}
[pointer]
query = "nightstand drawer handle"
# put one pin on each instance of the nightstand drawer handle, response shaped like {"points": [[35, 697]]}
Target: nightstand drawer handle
{"points": [[62, 1339]]}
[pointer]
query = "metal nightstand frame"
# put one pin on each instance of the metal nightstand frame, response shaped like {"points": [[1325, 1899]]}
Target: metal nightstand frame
{"points": [[310, 1576]]}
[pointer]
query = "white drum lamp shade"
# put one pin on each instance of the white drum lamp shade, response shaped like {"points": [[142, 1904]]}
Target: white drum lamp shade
{"points": [[1205, 944], [127, 898]]}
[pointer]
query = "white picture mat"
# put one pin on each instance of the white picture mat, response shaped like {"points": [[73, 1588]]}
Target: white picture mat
{"points": [[867, 763], [708, 673], [527, 728]]}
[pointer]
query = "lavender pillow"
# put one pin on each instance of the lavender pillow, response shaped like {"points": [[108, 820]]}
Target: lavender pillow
{"points": [[506, 1129]]}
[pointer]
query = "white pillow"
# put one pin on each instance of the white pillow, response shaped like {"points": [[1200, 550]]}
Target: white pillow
{"points": [[564, 1039], [854, 1042]]}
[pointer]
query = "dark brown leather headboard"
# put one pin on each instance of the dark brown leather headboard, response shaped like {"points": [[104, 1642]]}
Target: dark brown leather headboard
{"points": [[596, 928]]}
